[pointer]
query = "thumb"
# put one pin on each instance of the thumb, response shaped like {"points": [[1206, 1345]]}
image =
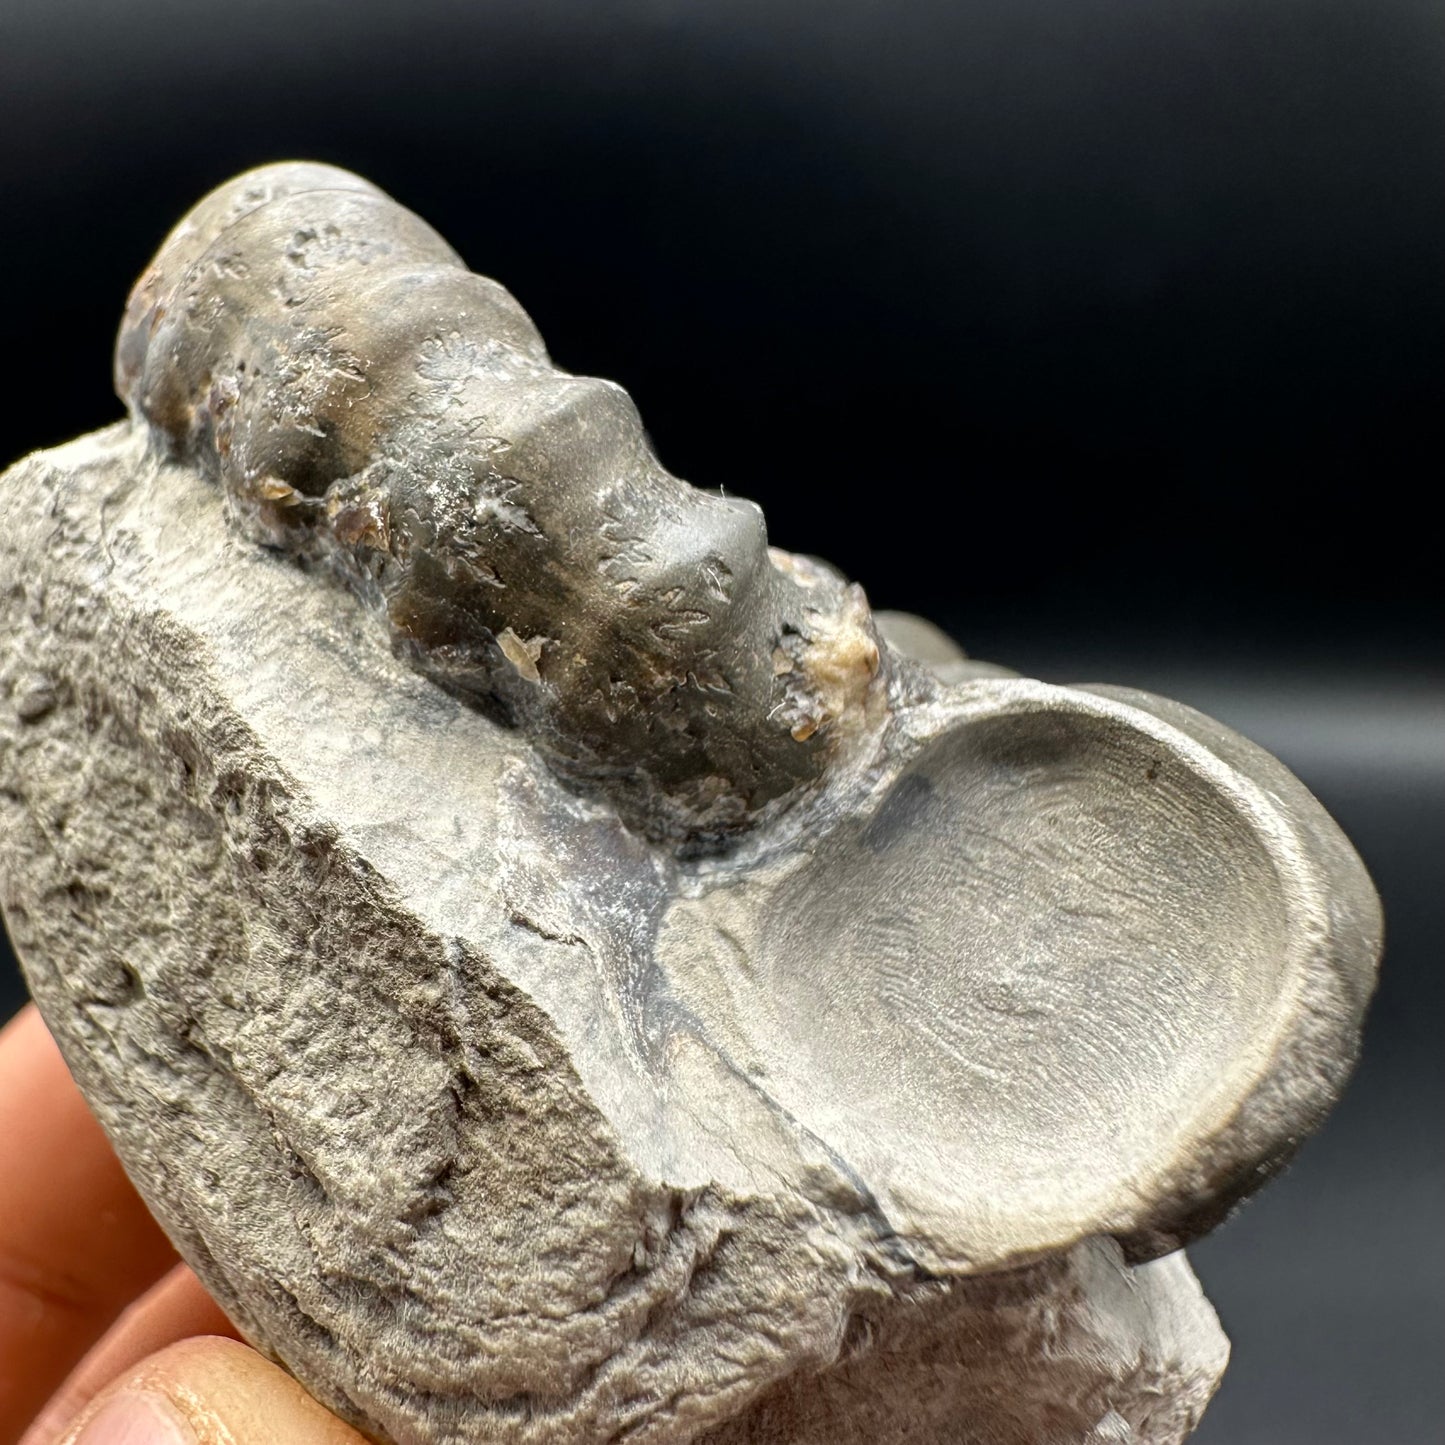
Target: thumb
{"points": [[208, 1391]]}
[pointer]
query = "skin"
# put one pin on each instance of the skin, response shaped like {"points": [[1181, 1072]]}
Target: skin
{"points": [[105, 1336]]}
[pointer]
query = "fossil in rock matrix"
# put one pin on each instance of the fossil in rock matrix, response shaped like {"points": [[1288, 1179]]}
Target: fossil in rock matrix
{"points": [[630, 992], [364, 398]]}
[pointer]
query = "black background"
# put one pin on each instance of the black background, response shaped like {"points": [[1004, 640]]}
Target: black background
{"points": [[1111, 334]]}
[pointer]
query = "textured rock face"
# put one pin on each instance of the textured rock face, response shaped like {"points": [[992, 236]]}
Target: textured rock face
{"points": [[494, 1113]]}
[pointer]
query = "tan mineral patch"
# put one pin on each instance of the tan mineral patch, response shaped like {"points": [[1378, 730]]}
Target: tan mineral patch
{"points": [[524, 655], [840, 662]]}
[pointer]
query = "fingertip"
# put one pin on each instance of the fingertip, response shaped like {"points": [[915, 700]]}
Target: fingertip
{"points": [[26, 1033], [177, 1308], [213, 1391], [77, 1244], [135, 1417]]}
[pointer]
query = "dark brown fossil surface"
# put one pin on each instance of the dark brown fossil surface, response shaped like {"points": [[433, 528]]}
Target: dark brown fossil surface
{"points": [[367, 402]]}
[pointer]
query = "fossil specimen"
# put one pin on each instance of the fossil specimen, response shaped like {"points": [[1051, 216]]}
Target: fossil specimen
{"points": [[364, 398], [711, 1012]]}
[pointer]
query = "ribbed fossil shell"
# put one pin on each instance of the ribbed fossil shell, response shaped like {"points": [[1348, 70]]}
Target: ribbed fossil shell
{"points": [[365, 399]]}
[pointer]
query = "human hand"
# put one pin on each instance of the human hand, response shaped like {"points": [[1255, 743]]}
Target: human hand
{"points": [[105, 1337]]}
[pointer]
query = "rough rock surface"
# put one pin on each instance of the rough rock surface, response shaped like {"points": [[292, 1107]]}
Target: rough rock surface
{"points": [[483, 1101]]}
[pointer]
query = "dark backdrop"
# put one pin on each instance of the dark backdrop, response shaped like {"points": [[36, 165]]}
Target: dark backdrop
{"points": [[1109, 333]]}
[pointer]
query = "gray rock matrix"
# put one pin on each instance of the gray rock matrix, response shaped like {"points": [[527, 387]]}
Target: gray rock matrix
{"points": [[562, 971]]}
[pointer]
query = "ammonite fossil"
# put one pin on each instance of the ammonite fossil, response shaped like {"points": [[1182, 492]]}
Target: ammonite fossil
{"points": [[634, 994]]}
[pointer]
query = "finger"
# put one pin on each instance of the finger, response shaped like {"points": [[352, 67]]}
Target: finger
{"points": [[77, 1245], [178, 1308], [208, 1392]]}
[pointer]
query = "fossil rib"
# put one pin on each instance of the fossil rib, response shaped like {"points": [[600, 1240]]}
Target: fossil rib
{"points": [[365, 399]]}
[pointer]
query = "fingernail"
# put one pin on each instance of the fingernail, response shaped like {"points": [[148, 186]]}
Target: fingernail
{"points": [[136, 1417]]}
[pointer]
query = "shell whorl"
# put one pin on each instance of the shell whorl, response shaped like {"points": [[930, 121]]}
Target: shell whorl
{"points": [[366, 402]]}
